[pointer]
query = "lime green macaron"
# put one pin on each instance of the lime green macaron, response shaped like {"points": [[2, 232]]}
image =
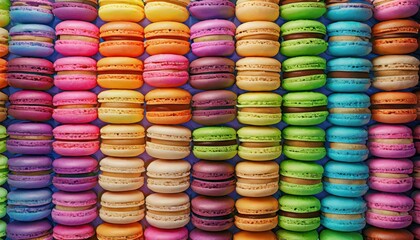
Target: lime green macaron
{"points": [[304, 143], [3, 136], [3, 227], [299, 213], [300, 178], [328, 234], [215, 143], [305, 108], [290, 235], [3, 199], [4, 13], [259, 143], [295, 10], [259, 108], [4, 169], [304, 73]]}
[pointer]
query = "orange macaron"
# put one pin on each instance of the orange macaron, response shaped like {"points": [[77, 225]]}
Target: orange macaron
{"points": [[167, 38], [121, 39], [394, 107]]}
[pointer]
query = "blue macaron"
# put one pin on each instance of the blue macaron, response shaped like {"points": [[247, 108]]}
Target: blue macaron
{"points": [[39, 11], [349, 39], [346, 179], [29, 205], [32, 40], [350, 10], [352, 209], [349, 109], [347, 144], [348, 74]]}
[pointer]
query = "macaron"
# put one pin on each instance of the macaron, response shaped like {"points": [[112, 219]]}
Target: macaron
{"points": [[3, 199], [304, 143], [75, 73], [212, 213], [416, 172], [303, 38], [74, 209], [214, 107], [349, 109], [166, 70], [348, 74], [213, 38], [31, 105], [387, 10], [395, 72], [63, 232], [350, 10], [4, 42], [257, 179], [108, 230], [299, 213], [77, 38], [349, 39], [168, 106], [347, 144], [3, 75], [304, 73], [4, 169], [31, 40], [154, 233], [75, 174], [257, 10], [300, 178], [38, 11], [259, 143], [415, 230], [256, 214], [122, 207], [125, 140], [197, 234], [391, 141], [30, 73], [168, 176], [3, 109], [130, 11], [121, 174], [343, 214], [394, 107], [214, 143], [211, 73], [416, 209], [75, 107], [175, 10], [258, 74], [259, 108], [328, 234], [257, 39], [168, 211], [395, 37], [29, 205], [304, 108], [383, 234], [75, 10], [29, 138], [295, 10], [389, 210], [213, 178], [120, 73], [37, 229], [416, 135], [346, 179], [210, 9], [168, 142], [167, 38], [76, 139], [390, 175], [121, 39], [120, 106], [29, 172], [292, 235], [418, 104], [4, 13]]}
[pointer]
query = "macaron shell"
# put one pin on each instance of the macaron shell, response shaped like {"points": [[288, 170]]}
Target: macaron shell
{"points": [[74, 11]]}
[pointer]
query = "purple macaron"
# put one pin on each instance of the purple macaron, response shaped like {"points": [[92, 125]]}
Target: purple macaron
{"points": [[29, 138], [213, 178], [214, 107], [76, 10], [212, 9], [30, 172], [29, 230], [212, 213], [75, 174], [153, 233], [211, 73], [198, 234]]}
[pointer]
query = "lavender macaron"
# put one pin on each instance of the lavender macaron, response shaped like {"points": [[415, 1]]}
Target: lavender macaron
{"points": [[211, 73], [213, 178], [75, 174], [212, 9], [41, 229], [214, 107], [30, 172], [212, 213], [29, 138]]}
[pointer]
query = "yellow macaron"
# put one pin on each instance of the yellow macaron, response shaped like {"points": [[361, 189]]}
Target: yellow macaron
{"points": [[174, 10], [121, 10]]}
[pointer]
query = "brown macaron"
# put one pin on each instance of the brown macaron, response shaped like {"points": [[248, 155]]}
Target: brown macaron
{"points": [[374, 233], [394, 107]]}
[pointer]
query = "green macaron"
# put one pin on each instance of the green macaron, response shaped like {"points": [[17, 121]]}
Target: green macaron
{"points": [[304, 143], [259, 143], [294, 10], [4, 13], [290, 235], [300, 178], [328, 234], [3, 227], [3, 199], [259, 108], [4, 169], [304, 73], [3, 136], [305, 108], [215, 143], [299, 213]]}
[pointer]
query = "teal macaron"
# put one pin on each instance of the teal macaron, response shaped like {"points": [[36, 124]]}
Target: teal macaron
{"points": [[259, 108], [328, 234], [348, 74], [305, 108], [304, 143], [291, 235], [349, 109], [259, 143], [300, 178], [214, 143], [295, 10], [347, 144], [304, 73], [349, 39]]}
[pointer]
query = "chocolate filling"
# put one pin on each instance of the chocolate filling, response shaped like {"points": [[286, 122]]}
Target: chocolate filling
{"points": [[303, 35], [397, 35], [82, 175], [300, 215], [300, 180], [167, 107], [216, 143], [302, 73], [268, 110], [393, 106], [304, 109], [342, 74], [270, 215], [226, 217], [295, 143]]}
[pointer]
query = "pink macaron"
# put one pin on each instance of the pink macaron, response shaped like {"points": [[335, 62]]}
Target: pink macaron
{"points": [[394, 9], [416, 133], [75, 107], [31, 105], [390, 175], [391, 141], [166, 70], [77, 38], [62, 232], [416, 174], [388, 210], [76, 140], [416, 210], [153, 233], [30, 73], [75, 73], [73, 209]]}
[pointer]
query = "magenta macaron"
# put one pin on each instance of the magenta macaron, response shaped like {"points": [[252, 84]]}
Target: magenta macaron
{"points": [[416, 174], [29, 172], [390, 175], [213, 178], [30, 73], [416, 210], [166, 70], [29, 138], [394, 9], [391, 141], [31, 105], [214, 107], [76, 139], [416, 134], [389, 210], [75, 174], [62, 232], [153, 233], [75, 73], [76, 10], [198, 234], [204, 33], [211, 73], [212, 213], [75, 107]]}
